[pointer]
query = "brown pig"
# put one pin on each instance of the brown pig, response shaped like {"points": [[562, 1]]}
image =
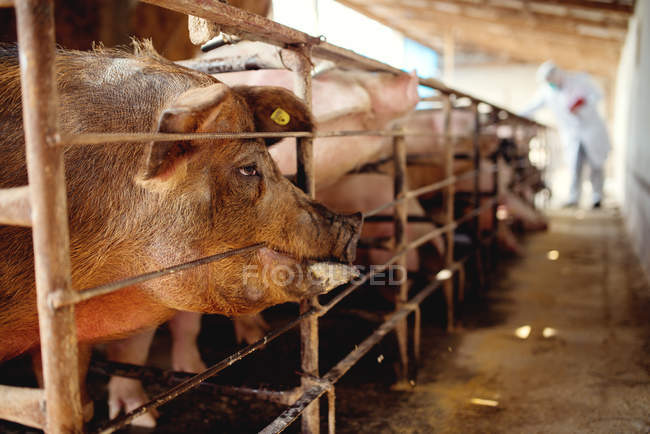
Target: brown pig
{"points": [[139, 207]]}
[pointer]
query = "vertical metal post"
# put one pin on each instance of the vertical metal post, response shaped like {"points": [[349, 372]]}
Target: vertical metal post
{"points": [[546, 168], [495, 209], [401, 220], [45, 167], [417, 331], [496, 222], [448, 287], [331, 410], [307, 181], [477, 194]]}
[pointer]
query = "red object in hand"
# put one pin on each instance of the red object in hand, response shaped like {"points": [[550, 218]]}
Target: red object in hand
{"points": [[577, 104]]}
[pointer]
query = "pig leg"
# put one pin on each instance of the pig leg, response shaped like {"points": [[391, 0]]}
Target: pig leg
{"points": [[185, 328], [249, 328], [84, 353], [521, 211], [83, 356], [508, 241], [127, 393], [461, 283]]}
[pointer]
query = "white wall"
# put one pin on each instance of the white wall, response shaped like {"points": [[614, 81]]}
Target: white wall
{"points": [[632, 129]]}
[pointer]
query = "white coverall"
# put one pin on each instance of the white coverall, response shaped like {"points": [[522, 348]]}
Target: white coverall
{"points": [[583, 132]]}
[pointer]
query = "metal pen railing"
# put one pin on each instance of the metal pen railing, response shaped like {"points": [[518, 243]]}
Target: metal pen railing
{"points": [[42, 205]]}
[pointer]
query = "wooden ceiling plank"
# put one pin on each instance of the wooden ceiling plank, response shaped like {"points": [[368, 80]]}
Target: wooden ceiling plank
{"points": [[613, 29], [572, 52], [626, 8]]}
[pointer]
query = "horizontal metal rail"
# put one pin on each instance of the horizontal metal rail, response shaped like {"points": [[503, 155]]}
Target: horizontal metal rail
{"points": [[15, 206], [157, 375], [423, 190], [60, 299], [103, 138], [25, 405]]}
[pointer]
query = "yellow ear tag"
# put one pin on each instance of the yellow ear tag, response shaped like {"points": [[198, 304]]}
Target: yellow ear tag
{"points": [[280, 117]]}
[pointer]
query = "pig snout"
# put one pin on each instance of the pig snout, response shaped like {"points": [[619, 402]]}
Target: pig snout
{"points": [[355, 221], [346, 230]]}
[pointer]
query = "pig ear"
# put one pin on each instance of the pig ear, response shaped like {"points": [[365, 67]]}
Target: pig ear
{"points": [[276, 109], [187, 113]]}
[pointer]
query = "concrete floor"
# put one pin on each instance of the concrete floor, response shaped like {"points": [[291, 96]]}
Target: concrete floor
{"points": [[591, 373]]}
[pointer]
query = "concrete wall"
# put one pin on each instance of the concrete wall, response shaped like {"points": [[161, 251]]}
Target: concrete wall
{"points": [[632, 128]]}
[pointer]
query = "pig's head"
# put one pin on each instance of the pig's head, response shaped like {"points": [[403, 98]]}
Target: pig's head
{"points": [[229, 193]]}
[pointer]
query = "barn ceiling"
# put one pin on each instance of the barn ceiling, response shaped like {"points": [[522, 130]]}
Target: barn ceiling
{"points": [[578, 34]]}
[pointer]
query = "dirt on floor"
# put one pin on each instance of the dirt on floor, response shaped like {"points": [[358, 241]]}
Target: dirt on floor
{"points": [[558, 343]]}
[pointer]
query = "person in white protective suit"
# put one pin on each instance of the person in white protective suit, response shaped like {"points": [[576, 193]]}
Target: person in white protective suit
{"points": [[573, 99]]}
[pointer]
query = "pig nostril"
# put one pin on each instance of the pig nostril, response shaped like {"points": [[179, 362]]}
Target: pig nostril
{"points": [[350, 251], [355, 220]]}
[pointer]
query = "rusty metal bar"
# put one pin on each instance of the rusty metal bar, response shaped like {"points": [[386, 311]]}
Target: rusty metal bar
{"points": [[331, 410], [434, 98], [401, 216], [239, 22], [477, 194], [59, 299], [103, 138], [151, 374], [411, 245], [389, 218], [35, 28], [23, 405], [448, 287], [306, 180], [422, 190], [15, 206], [417, 333]]}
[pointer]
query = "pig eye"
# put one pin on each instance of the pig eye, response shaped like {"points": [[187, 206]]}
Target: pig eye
{"points": [[248, 170]]}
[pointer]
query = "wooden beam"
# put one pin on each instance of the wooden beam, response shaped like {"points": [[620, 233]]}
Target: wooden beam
{"points": [[546, 10], [611, 6]]}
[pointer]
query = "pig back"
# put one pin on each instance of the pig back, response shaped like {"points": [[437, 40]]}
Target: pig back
{"points": [[100, 91]]}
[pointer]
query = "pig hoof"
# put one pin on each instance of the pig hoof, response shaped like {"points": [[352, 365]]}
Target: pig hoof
{"points": [[249, 328], [127, 394]]}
